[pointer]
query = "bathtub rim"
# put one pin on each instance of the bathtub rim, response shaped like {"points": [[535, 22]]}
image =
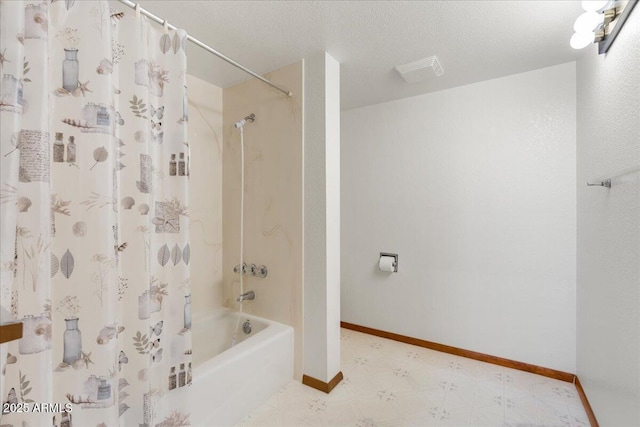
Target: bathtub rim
{"points": [[272, 331]]}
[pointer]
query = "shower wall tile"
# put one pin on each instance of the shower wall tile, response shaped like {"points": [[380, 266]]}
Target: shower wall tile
{"points": [[273, 198], [205, 205]]}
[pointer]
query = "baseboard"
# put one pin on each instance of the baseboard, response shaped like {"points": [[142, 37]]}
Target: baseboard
{"points": [[321, 385], [585, 402], [513, 364]]}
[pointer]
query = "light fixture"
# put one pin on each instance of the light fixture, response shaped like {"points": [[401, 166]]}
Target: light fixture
{"points": [[588, 22], [582, 40], [600, 23], [595, 5]]}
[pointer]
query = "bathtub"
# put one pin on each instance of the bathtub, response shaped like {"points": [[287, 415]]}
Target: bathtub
{"points": [[232, 380]]}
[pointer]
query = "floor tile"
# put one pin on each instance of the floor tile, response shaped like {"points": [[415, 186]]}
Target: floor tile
{"points": [[389, 384], [421, 420]]}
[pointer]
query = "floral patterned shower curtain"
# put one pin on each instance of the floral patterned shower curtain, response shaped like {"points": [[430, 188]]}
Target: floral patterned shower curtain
{"points": [[95, 248]]}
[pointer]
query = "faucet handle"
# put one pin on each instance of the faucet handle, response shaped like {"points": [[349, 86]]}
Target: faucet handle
{"points": [[236, 269], [252, 269], [261, 272]]}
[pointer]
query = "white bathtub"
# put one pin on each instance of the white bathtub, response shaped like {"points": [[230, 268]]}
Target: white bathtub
{"points": [[230, 381]]}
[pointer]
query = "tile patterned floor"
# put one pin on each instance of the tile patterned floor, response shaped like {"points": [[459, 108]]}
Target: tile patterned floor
{"points": [[388, 383]]}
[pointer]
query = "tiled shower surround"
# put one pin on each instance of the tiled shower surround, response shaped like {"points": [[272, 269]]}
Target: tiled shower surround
{"points": [[388, 383]]}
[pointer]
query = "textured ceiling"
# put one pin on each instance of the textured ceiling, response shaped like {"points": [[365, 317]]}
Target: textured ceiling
{"points": [[474, 40]]}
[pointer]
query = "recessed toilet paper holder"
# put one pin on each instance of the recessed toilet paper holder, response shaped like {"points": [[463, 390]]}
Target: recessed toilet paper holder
{"points": [[395, 262]]}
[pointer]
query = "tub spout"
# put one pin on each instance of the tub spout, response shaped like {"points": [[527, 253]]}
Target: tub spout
{"points": [[247, 296]]}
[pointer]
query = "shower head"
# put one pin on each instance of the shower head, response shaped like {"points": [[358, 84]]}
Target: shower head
{"points": [[250, 118]]}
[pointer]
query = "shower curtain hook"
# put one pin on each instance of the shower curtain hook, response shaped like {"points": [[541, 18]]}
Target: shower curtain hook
{"points": [[165, 24], [137, 8]]}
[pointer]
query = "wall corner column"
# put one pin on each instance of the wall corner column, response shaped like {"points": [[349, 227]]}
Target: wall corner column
{"points": [[321, 159]]}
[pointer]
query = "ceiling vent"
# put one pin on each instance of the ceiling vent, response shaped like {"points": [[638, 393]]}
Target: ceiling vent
{"points": [[420, 70]]}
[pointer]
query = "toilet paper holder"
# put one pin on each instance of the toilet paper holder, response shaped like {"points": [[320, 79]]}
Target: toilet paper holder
{"points": [[395, 262]]}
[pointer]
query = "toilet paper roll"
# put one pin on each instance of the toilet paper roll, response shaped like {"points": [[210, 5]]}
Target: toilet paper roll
{"points": [[386, 263]]}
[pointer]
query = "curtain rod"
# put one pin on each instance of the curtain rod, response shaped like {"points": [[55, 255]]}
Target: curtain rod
{"points": [[204, 46]]}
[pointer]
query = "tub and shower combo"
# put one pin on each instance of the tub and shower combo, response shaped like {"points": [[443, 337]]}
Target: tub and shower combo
{"points": [[240, 359]]}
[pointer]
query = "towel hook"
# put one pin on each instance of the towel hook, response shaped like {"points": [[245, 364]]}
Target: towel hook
{"points": [[606, 183]]}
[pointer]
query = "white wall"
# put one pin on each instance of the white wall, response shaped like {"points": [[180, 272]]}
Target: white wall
{"points": [[609, 229], [474, 188], [321, 216], [205, 204]]}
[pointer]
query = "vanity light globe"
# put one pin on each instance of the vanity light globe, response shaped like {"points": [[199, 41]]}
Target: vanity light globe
{"points": [[594, 5], [587, 22], [582, 40]]}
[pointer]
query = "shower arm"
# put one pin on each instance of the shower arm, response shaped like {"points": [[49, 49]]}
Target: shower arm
{"points": [[240, 124], [209, 49]]}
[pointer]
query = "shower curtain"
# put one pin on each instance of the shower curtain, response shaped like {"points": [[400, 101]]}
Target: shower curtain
{"points": [[94, 256]]}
